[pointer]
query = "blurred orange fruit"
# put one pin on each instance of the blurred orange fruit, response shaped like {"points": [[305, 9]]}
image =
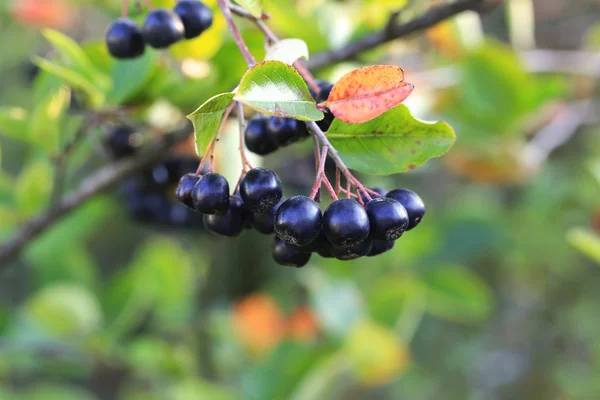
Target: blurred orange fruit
{"points": [[259, 323], [302, 325], [44, 13]]}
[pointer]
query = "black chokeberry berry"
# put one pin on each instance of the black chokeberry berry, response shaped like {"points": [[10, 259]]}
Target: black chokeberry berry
{"points": [[195, 15], [229, 224], [257, 137], [326, 250], [345, 223], [364, 199], [298, 221], [162, 28], [412, 203], [317, 244], [322, 96], [211, 194], [285, 254], [260, 189], [263, 222], [120, 141], [380, 246], [124, 39], [352, 252], [184, 190], [387, 217], [285, 131]]}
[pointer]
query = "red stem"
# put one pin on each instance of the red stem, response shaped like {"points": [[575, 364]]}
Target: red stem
{"points": [[242, 148], [125, 8], [149, 4], [237, 36]]}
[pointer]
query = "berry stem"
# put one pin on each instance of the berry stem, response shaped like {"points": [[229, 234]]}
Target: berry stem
{"points": [[149, 4], [211, 146], [237, 36], [124, 8], [242, 121], [322, 178]]}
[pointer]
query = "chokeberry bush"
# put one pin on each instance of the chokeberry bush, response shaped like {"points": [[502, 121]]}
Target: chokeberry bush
{"points": [[165, 162]]}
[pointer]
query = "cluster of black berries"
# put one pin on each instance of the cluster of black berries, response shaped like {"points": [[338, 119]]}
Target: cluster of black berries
{"points": [[346, 230], [265, 134], [161, 29], [149, 193]]}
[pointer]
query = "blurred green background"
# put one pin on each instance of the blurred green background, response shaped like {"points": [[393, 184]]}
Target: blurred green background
{"points": [[495, 296]]}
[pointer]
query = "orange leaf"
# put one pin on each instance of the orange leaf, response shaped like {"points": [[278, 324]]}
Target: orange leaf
{"points": [[368, 92]]}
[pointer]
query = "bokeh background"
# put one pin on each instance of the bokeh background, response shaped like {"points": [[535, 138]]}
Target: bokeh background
{"points": [[495, 296]]}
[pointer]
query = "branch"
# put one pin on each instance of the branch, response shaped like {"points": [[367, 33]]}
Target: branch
{"points": [[95, 184], [393, 31]]}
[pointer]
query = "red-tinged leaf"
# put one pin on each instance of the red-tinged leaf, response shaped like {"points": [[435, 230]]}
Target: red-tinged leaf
{"points": [[368, 92]]}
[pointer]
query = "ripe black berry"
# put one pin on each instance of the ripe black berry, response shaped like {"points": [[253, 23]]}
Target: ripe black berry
{"points": [[345, 223], [380, 246], [195, 15], [314, 246], [120, 141], [412, 203], [124, 39], [298, 221], [387, 217], [263, 222], [286, 254], [162, 28], [352, 252], [260, 189], [257, 137], [183, 193], [364, 199], [229, 224], [285, 131], [325, 87], [326, 250], [211, 194]]}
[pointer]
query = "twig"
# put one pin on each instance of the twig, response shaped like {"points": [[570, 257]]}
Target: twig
{"points": [[394, 31], [241, 12], [95, 184], [235, 32], [242, 122], [125, 8]]}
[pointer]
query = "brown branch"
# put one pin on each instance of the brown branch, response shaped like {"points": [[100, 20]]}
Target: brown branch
{"points": [[95, 184], [393, 31]]}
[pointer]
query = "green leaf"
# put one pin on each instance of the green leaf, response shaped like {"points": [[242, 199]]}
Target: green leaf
{"points": [[207, 119], [129, 77], [287, 51], [33, 186], [13, 122], [392, 143], [73, 78], [585, 241], [275, 88], [457, 294], [45, 125], [254, 7], [76, 58]]}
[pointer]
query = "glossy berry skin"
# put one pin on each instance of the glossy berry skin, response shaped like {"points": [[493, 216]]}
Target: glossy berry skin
{"points": [[124, 39], [195, 15], [183, 192], [162, 28], [323, 95], [120, 141], [211, 194], [231, 223], [412, 203], [260, 189], [364, 199], [257, 137], [353, 252], [387, 217], [298, 221], [314, 246], [264, 222], [286, 254], [345, 223], [380, 246], [285, 131], [326, 250]]}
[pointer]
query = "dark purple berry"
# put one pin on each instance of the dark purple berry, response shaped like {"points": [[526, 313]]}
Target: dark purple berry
{"points": [[387, 217], [286, 254], [285, 131], [211, 194], [363, 196], [412, 203], [121, 141], [263, 222], [183, 193], [352, 252], [345, 223], [380, 246], [298, 221], [124, 39], [229, 224], [162, 28], [260, 189], [195, 15], [257, 137]]}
